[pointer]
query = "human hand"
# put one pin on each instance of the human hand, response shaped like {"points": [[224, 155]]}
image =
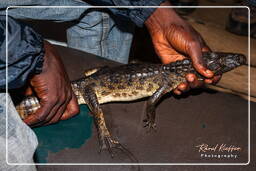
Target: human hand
{"points": [[52, 87], [173, 38]]}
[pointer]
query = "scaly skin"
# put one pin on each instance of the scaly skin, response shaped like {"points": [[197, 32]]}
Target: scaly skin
{"points": [[131, 82]]}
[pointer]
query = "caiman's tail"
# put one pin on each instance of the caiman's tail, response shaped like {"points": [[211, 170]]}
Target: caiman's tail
{"points": [[28, 106]]}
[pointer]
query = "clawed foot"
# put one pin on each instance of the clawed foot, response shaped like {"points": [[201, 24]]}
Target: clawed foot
{"points": [[107, 143], [151, 125]]}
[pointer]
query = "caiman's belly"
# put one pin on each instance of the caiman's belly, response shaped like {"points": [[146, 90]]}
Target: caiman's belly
{"points": [[122, 90], [129, 94], [114, 96], [122, 96]]}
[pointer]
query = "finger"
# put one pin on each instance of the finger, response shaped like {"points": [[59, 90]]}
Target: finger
{"points": [[204, 46], [49, 117], [54, 114], [183, 87], [28, 91], [40, 114], [216, 79], [193, 81], [205, 49], [60, 104], [56, 117], [195, 53], [72, 108], [177, 92], [61, 107], [190, 77], [208, 81], [62, 110], [196, 84]]}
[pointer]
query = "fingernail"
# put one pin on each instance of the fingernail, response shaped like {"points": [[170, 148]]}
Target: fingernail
{"points": [[191, 79], [182, 88], [207, 81], [208, 71]]}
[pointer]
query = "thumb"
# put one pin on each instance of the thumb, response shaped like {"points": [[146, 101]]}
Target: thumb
{"points": [[194, 51], [28, 91], [72, 108]]}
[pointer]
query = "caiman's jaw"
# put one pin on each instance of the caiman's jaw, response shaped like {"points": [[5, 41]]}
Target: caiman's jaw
{"points": [[223, 62]]}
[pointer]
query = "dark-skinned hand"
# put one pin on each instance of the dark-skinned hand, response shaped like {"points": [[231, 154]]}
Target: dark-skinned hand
{"points": [[52, 87], [173, 39]]}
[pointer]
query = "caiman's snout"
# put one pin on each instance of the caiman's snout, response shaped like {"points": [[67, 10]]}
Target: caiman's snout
{"points": [[241, 59], [221, 62], [234, 60], [230, 62]]}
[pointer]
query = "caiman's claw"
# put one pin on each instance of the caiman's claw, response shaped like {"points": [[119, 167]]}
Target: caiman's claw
{"points": [[108, 143], [151, 125]]}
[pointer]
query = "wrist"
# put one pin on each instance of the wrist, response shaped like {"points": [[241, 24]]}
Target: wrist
{"points": [[161, 18]]}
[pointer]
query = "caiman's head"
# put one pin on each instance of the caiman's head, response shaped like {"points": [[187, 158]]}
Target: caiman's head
{"points": [[220, 62]]}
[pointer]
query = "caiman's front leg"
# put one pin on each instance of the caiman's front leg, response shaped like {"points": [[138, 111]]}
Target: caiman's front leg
{"points": [[105, 139], [151, 108]]}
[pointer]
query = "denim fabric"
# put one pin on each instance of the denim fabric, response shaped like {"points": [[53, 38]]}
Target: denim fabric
{"points": [[97, 33], [22, 141], [54, 14], [94, 32], [136, 15]]}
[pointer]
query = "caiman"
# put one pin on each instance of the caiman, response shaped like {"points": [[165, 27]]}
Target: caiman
{"points": [[134, 81]]}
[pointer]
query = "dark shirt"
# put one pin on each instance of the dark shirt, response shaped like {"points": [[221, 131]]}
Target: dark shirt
{"points": [[25, 53]]}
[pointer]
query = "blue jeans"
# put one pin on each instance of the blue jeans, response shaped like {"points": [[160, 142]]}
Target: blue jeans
{"points": [[95, 31], [22, 141]]}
